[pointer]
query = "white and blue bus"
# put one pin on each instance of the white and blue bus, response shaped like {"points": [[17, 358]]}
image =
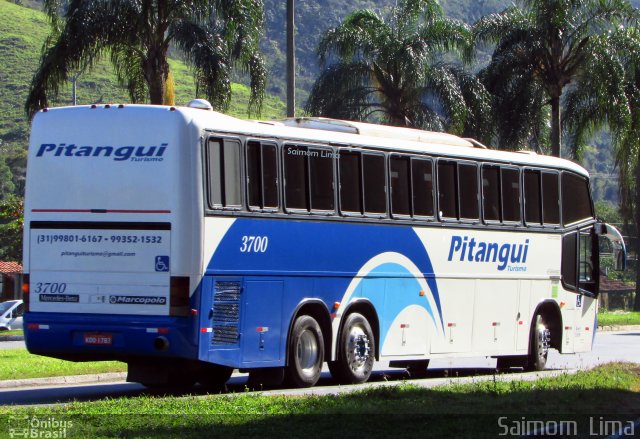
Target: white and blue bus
{"points": [[188, 243]]}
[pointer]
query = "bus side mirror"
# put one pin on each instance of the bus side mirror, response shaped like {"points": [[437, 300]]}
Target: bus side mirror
{"points": [[617, 242]]}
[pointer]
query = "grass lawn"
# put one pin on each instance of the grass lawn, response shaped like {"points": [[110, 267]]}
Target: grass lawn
{"points": [[485, 409], [616, 318], [18, 364], [13, 332]]}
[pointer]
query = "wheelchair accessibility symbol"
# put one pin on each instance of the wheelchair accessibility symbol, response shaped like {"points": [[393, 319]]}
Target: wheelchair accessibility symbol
{"points": [[162, 263]]}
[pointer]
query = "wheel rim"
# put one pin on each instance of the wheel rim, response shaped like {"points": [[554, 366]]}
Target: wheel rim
{"points": [[358, 349], [307, 352], [543, 339]]}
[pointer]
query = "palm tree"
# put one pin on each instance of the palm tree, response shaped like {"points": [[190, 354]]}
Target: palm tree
{"points": [[394, 71], [136, 35], [541, 47], [609, 97]]}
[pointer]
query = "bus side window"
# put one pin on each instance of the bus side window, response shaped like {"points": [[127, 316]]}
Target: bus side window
{"points": [[447, 190], [349, 168], [550, 198], [576, 205], [400, 177], [374, 181], [468, 191], [511, 195], [321, 179], [262, 175], [422, 187], [296, 177], [224, 173], [532, 197], [491, 193]]}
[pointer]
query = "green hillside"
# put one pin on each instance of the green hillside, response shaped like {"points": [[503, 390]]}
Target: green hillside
{"points": [[22, 34]]}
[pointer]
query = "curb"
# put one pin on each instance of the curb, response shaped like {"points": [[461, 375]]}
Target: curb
{"points": [[616, 328], [11, 338], [62, 380]]}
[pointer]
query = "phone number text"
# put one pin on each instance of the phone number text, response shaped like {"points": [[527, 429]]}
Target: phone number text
{"points": [[114, 239]]}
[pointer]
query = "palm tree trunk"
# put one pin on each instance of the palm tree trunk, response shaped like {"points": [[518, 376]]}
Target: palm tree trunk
{"points": [[636, 217], [156, 76], [556, 134], [156, 71]]}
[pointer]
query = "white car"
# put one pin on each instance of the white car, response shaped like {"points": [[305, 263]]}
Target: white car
{"points": [[11, 315]]}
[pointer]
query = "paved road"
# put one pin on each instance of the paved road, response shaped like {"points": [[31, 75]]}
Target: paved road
{"points": [[616, 346]]}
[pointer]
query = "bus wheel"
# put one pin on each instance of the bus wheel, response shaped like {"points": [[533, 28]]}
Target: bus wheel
{"points": [[213, 377], [306, 353], [539, 346], [356, 351]]}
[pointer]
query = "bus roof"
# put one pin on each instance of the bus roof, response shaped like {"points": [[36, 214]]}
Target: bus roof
{"points": [[348, 133]]}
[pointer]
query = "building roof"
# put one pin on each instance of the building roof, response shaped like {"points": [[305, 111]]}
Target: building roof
{"points": [[10, 267], [614, 286]]}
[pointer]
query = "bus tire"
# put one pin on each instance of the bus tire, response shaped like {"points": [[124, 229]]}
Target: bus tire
{"points": [[539, 345], [356, 351], [306, 353]]}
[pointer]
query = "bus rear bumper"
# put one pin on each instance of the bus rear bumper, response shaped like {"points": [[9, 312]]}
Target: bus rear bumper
{"points": [[87, 337]]}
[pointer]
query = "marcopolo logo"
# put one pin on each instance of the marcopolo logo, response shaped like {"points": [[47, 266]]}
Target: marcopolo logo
{"points": [[466, 249], [118, 153], [137, 300]]}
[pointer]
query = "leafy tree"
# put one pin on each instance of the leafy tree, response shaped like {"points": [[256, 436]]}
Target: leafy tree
{"points": [[394, 70], [136, 35], [609, 95], [541, 47], [11, 222], [6, 179]]}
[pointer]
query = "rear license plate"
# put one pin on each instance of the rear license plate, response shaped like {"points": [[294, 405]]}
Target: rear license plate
{"points": [[98, 339]]}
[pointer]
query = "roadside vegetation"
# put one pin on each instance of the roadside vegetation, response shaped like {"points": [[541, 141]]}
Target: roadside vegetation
{"points": [[482, 410], [19, 364], [618, 318]]}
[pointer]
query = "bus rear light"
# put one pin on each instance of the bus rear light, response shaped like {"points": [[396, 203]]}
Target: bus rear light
{"points": [[204, 330], [179, 296], [25, 291], [158, 330], [36, 326]]}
